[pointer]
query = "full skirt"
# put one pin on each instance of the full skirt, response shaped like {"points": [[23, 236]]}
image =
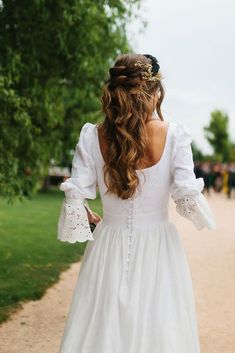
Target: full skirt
{"points": [[149, 310]]}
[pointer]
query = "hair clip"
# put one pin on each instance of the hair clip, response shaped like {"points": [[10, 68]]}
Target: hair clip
{"points": [[146, 71]]}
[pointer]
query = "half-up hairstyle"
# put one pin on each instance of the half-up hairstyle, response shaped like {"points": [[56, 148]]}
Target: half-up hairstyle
{"points": [[127, 102]]}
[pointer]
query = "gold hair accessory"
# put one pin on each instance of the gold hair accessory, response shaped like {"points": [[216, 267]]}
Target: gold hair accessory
{"points": [[146, 71]]}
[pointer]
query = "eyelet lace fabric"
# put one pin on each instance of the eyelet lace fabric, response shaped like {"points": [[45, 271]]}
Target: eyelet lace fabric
{"points": [[186, 207], [73, 225], [196, 209]]}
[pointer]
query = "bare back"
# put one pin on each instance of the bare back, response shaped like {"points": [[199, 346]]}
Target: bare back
{"points": [[157, 133]]}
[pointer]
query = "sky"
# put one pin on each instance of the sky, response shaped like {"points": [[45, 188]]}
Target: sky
{"points": [[194, 42]]}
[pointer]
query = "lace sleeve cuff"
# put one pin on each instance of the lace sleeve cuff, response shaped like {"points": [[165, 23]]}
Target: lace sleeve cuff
{"points": [[73, 225], [196, 209]]}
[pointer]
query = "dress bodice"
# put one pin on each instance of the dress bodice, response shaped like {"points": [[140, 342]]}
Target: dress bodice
{"points": [[149, 205], [172, 176]]}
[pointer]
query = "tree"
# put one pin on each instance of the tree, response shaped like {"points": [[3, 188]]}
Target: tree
{"points": [[54, 56], [217, 134], [232, 152], [197, 153]]}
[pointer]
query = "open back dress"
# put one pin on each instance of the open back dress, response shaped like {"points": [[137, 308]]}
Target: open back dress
{"points": [[134, 291]]}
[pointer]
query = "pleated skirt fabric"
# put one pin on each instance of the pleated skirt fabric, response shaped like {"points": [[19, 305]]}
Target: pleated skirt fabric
{"points": [[147, 307]]}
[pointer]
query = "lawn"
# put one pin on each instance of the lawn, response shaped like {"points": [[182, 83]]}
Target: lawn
{"points": [[31, 258]]}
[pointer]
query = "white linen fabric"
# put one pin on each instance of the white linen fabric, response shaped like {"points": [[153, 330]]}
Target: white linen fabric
{"points": [[134, 291]]}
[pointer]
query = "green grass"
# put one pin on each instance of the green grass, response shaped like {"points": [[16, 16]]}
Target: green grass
{"points": [[31, 258]]}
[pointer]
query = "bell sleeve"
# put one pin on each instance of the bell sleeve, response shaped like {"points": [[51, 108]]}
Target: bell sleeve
{"points": [[73, 223], [186, 189]]}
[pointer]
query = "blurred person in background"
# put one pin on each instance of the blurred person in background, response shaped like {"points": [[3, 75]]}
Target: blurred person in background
{"points": [[231, 179]]}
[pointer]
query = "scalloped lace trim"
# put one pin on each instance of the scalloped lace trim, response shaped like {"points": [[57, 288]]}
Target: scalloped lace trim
{"points": [[73, 225]]}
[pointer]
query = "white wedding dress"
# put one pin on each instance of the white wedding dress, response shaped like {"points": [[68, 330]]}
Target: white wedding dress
{"points": [[134, 292]]}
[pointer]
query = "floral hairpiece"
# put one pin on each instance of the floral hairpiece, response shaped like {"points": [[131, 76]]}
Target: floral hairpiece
{"points": [[147, 71]]}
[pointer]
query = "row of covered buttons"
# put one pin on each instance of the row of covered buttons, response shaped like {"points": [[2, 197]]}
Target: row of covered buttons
{"points": [[129, 225]]}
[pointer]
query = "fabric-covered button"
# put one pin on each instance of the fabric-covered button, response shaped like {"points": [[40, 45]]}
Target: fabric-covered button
{"points": [[129, 221]]}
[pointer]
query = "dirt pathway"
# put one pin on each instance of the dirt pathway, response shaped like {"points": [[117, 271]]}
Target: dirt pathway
{"points": [[38, 326]]}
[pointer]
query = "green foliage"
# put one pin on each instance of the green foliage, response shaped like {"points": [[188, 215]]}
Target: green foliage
{"points": [[232, 151], [54, 60], [197, 154], [217, 134], [31, 258]]}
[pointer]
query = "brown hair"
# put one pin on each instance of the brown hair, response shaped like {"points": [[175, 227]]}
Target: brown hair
{"points": [[127, 102]]}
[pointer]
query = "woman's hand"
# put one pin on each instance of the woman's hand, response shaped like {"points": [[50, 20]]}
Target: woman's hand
{"points": [[93, 217]]}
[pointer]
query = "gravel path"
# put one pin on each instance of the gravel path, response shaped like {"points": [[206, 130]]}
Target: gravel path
{"points": [[38, 326]]}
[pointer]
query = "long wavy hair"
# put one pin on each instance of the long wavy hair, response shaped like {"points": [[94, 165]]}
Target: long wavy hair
{"points": [[127, 102]]}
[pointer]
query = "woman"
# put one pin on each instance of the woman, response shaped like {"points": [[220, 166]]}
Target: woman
{"points": [[134, 292]]}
